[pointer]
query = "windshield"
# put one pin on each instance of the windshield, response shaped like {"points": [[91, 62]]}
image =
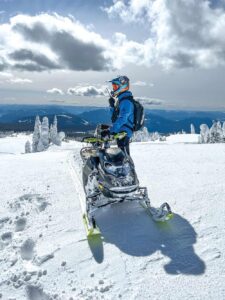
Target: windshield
{"points": [[115, 155], [117, 171]]}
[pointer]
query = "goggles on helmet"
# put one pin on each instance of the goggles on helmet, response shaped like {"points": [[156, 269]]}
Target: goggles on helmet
{"points": [[115, 86]]}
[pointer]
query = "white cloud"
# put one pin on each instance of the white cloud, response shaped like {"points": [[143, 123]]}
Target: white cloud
{"points": [[20, 80], [6, 75], [55, 91], [181, 33], [133, 12], [149, 101], [142, 83], [90, 91]]}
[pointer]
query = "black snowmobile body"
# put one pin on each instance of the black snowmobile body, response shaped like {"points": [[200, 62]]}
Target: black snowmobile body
{"points": [[110, 172]]}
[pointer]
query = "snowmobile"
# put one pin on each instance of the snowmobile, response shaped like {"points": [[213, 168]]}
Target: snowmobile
{"points": [[109, 177]]}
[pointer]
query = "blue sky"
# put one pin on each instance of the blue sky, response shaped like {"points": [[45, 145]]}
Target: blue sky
{"points": [[64, 51]]}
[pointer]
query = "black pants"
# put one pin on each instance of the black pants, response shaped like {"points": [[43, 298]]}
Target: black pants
{"points": [[124, 144]]}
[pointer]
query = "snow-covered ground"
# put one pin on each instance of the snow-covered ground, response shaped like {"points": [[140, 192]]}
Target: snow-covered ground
{"points": [[183, 138], [14, 144], [44, 253]]}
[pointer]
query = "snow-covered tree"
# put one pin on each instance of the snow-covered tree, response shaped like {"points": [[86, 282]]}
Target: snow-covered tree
{"points": [[220, 131], [223, 130], [141, 135], [44, 137], [216, 133], [155, 136], [40, 146], [204, 134], [192, 129], [137, 137], [54, 131], [60, 138], [36, 134], [162, 138], [145, 134], [27, 147]]}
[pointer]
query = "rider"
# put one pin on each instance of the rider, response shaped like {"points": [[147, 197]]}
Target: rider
{"points": [[122, 111]]}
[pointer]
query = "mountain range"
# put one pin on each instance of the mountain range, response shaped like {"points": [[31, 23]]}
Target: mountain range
{"points": [[83, 119]]}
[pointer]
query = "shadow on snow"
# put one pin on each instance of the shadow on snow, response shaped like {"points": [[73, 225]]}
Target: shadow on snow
{"points": [[128, 226]]}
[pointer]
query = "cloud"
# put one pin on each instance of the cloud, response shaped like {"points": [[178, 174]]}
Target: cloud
{"points": [[134, 11], [76, 52], [142, 83], [182, 34], [2, 67], [90, 91], [5, 74], [39, 61], [8, 77], [55, 91], [20, 80], [3, 63], [48, 42], [148, 101]]}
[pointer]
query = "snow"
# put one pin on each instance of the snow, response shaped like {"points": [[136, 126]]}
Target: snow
{"points": [[14, 144], [65, 116], [183, 138], [44, 253]]}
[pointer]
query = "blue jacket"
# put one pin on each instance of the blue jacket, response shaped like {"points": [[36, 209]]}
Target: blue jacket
{"points": [[126, 115]]}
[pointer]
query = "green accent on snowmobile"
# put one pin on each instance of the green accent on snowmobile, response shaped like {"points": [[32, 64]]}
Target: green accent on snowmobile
{"points": [[94, 139], [119, 135], [170, 216], [90, 231], [166, 218]]}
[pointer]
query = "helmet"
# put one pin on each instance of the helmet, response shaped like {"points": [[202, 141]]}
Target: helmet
{"points": [[120, 84]]}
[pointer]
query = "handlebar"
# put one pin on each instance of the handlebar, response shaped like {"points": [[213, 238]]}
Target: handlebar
{"points": [[93, 139]]}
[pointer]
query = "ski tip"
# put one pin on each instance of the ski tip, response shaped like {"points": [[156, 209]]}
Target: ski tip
{"points": [[169, 216], [90, 230], [93, 232], [164, 218]]}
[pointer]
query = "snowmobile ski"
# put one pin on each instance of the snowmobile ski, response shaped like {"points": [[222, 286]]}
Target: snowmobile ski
{"points": [[161, 214], [90, 227]]}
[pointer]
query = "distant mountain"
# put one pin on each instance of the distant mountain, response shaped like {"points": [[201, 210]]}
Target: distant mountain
{"points": [[12, 113], [97, 116], [178, 115], [155, 121], [22, 117], [66, 122], [78, 118]]}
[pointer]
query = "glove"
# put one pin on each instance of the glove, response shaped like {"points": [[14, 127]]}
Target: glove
{"points": [[105, 133], [111, 102]]}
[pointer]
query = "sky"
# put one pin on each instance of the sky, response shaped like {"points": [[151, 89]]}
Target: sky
{"points": [[63, 52]]}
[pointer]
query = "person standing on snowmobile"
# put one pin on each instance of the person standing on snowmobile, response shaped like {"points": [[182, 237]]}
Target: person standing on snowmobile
{"points": [[122, 111]]}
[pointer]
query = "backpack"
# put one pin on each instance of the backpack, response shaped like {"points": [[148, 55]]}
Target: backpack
{"points": [[138, 113]]}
